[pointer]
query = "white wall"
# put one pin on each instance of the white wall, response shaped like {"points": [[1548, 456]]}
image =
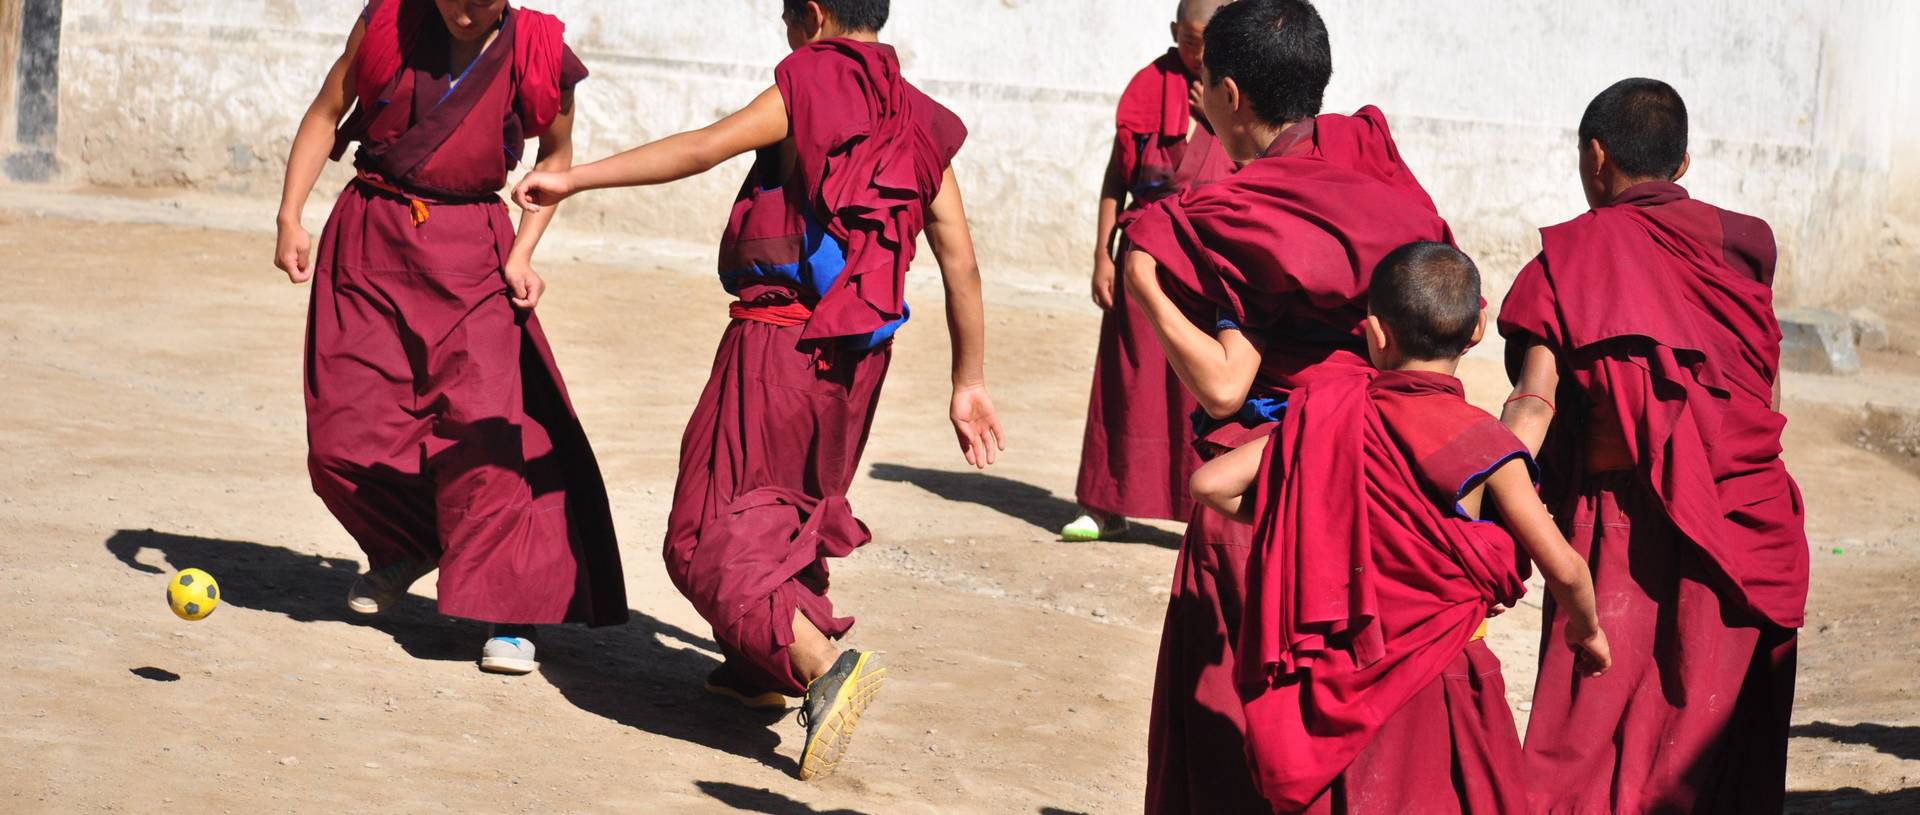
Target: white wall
{"points": [[1801, 108]]}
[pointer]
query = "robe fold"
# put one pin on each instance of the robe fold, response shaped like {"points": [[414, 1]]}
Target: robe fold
{"points": [[1136, 455], [1367, 582], [438, 426], [1663, 467], [1283, 248], [816, 249]]}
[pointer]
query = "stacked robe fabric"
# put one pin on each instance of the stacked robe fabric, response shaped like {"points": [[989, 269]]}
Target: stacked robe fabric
{"points": [[1663, 467], [776, 438], [438, 425], [1137, 454], [1283, 248]]}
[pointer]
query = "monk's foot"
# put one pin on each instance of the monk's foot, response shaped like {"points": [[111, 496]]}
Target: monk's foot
{"points": [[1093, 527], [508, 650], [832, 708], [383, 588], [723, 682]]}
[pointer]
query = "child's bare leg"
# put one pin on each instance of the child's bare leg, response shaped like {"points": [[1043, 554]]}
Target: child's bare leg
{"points": [[812, 653], [1222, 484]]}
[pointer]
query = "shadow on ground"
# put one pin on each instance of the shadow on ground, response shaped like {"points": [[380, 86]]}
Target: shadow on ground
{"points": [[752, 799], [646, 674], [1854, 801], [1016, 499], [1900, 742]]}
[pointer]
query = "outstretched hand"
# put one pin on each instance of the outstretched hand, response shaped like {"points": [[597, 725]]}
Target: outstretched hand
{"points": [[291, 253], [1591, 654], [542, 189], [977, 425], [524, 285]]}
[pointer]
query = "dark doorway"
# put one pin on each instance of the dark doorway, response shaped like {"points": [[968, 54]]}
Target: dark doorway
{"points": [[36, 88]]}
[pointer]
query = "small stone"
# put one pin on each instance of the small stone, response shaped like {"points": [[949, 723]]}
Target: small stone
{"points": [[372, 765], [1099, 612], [289, 761], [1869, 330], [1818, 341]]}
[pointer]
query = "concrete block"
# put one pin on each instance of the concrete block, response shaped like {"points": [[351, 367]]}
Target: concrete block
{"points": [[1818, 341], [1893, 432], [1869, 330]]}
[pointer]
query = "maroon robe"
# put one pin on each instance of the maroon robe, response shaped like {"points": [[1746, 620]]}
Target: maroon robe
{"points": [[1368, 581], [1663, 466], [437, 423], [776, 437], [1283, 248], [1137, 454]]}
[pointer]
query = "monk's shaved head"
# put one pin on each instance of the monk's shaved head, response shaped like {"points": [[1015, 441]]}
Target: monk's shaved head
{"points": [[1428, 296], [1197, 11]]}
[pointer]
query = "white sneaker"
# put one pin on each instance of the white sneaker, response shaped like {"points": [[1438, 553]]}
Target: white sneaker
{"points": [[508, 655], [1089, 528], [382, 589]]}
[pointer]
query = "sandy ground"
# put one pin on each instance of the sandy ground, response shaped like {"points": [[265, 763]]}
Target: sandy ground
{"points": [[152, 421]]}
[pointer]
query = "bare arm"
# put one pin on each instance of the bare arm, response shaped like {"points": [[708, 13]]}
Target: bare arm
{"points": [[975, 421], [1217, 369], [1223, 483], [311, 145], [1565, 572], [762, 123], [1529, 411], [556, 156], [1112, 189]]}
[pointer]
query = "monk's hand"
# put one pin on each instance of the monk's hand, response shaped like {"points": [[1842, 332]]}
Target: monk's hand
{"points": [[542, 188], [524, 285], [1591, 655], [977, 425], [1105, 277], [1195, 90], [291, 253], [1496, 610]]}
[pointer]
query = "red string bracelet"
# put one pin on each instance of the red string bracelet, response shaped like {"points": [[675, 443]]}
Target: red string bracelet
{"points": [[1544, 400]]}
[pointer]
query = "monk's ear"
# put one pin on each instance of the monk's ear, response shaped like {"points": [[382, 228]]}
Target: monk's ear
{"points": [[1377, 337], [1600, 158], [1232, 90], [1173, 29], [816, 20], [1686, 163], [1479, 329]]}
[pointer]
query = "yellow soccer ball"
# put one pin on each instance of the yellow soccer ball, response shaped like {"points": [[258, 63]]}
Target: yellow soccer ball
{"points": [[193, 594]]}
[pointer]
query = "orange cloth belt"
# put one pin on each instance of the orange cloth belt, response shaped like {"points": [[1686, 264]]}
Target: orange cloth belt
{"points": [[780, 314], [1479, 633], [418, 206]]}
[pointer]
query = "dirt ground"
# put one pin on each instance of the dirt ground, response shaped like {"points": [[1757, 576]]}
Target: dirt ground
{"points": [[152, 421]]}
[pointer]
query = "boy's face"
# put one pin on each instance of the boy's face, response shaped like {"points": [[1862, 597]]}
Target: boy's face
{"points": [[471, 20], [1230, 117], [804, 24], [1592, 181], [1190, 38]]}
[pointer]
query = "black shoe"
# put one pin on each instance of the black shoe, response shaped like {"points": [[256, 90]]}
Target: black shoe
{"points": [[832, 708], [724, 683]]}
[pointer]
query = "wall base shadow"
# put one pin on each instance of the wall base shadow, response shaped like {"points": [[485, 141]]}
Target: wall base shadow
{"points": [[1016, 499], [1897, 741], [646, 674], [750, 799], [1854, 802]]}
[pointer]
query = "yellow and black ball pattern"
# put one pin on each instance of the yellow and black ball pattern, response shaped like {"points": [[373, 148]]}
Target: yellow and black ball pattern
{"points": [[193, 594]]}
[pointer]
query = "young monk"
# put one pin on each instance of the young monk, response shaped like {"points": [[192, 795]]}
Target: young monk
{"points": [[1137, 452], [439, 430], [851, 164], [1646, 364], [1281, 251], [1369, 687]]}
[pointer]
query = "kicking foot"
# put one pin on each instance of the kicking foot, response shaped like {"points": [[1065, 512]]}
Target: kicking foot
{"points": [[722, 682], [832, 708], [508, 655], [1089, 527], [382, 588]]}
